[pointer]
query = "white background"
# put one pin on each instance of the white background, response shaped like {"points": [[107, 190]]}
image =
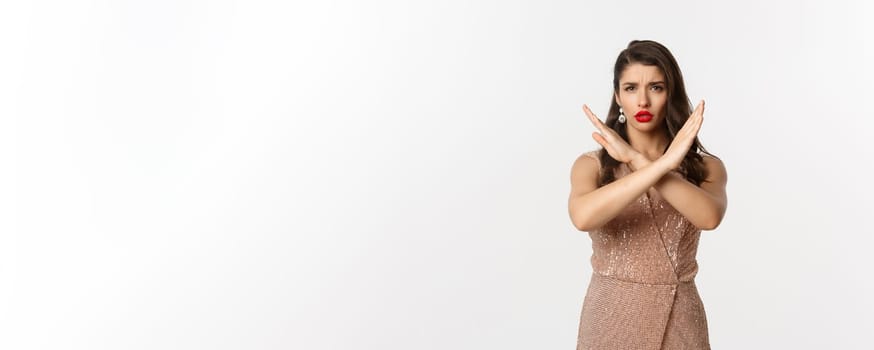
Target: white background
{"points": [[394, 175]]}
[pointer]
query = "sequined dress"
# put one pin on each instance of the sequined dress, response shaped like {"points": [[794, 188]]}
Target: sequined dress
{"points": [[642, 292]]}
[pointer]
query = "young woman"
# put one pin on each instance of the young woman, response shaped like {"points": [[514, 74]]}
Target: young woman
{"points": [[644, 199]]}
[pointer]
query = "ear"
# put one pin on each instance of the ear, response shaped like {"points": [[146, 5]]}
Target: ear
{"points": [[616, 97]]}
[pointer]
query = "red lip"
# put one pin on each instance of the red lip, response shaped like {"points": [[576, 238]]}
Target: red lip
{"points": [[643, 116]]}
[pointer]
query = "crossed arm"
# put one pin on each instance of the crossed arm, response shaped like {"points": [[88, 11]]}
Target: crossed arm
{"points": [[703, 206]]}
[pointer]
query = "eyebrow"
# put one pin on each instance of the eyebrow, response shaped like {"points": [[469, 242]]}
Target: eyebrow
{"points": [[652, 83]]}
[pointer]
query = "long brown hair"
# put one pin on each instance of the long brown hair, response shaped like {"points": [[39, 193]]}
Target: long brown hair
{"points": [[651, 53]]}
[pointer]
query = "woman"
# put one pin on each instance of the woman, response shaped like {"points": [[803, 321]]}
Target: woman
{"points": [[644, 199]]}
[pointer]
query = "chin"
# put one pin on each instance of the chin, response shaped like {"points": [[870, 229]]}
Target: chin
{"points": [[651, 125]]}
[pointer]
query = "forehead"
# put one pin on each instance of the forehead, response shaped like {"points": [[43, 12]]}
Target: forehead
{"points": [[637, 72]]}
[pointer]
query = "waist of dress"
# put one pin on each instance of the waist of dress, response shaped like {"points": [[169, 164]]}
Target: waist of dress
{"points": [[617, 279]]}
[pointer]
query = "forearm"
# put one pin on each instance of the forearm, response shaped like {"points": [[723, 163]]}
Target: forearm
{"points": [[598, 207], [698, 206]]}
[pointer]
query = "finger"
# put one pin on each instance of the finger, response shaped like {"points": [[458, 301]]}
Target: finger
{"points": [[690, 127], [699, 108], [688, 123], [696, 123], [696, 118], [594, 119], [599, 139], [700, 116], [695, 114]]}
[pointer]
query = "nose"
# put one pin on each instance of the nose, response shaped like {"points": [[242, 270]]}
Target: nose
{"points": [[642, 98]]}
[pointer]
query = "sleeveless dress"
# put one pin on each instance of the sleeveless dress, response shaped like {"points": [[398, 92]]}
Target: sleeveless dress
{"points": [[642, 292]]}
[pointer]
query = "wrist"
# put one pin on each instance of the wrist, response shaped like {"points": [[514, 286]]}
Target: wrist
{"points": [[638, 161], [664, 165]]}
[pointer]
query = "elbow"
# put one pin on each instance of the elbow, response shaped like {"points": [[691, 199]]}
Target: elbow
{"points": [[707, 227], [712, 224], [582, 219], [714, 219], [578, 223], [582, 224]]}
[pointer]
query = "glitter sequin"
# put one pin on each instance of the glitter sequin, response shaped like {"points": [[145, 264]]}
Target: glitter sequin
{"points": [[642, 293]]}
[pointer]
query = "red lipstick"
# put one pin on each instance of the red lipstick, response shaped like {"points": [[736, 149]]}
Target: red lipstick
{"points": [[643, 116]]}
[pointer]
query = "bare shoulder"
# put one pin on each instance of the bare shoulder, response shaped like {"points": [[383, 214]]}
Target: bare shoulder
{"points": [[587, 162], [584, 173], [715, 167]]}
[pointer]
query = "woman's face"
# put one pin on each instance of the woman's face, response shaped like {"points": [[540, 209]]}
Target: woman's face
{"points": [[642, 87]]}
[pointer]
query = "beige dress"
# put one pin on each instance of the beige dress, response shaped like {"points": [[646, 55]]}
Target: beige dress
{"points": [[642, 293]]}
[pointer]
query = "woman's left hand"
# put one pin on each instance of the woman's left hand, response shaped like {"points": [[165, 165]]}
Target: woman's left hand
{"points": [[610, 140]]}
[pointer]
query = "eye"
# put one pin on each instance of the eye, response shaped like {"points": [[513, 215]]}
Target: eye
{"points": [[658, 87], [629, 88]]}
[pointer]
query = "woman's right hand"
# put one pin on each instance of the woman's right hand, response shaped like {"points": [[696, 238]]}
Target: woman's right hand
{"points": [[676, 152], [610, 140]]}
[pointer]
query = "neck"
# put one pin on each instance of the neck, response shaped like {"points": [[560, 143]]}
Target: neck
{"points": [[650, 145]]}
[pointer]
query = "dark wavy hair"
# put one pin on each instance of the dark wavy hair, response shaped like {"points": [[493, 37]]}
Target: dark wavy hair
{"points": [[651, 53]]}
